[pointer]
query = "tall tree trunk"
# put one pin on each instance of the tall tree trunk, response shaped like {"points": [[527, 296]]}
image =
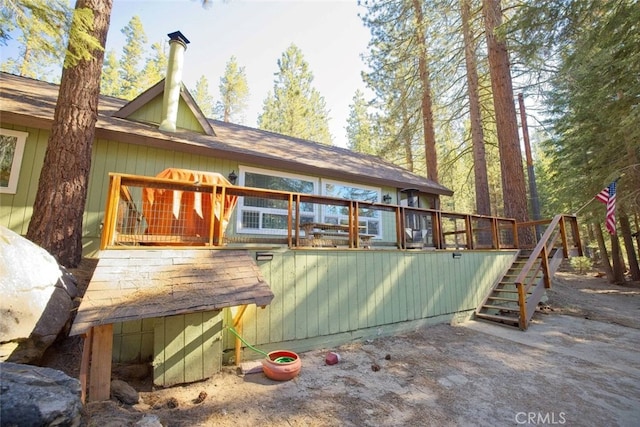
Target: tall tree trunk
{"points": [[513, 182], [483, 201], [56, 224], [618, 263], [604, 254], [431, 155], [637, 232], [407, 139], [625, 229]]}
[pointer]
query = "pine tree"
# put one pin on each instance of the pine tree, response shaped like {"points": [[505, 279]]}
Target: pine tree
{"points": [[110, 78], [56, 224], [202, 96], [41, 28], [481, 181], [155, 68], [512, 172], [360, 130], [294, 107], [234, 92], [401, 79], [132, 54]]}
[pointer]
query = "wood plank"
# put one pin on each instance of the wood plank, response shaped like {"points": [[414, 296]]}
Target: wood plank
{"points": [[374, 290], [84, 365], [159, 344], [100, 372], [174, 350], [193, 347], [288, 297], [312, 299], [349, 279], [326, 295], [338, 294], [212, 322]]}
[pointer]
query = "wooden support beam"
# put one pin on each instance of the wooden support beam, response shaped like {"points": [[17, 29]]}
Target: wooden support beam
{"points": [[84, 365], [101, 354], [237, 325]]}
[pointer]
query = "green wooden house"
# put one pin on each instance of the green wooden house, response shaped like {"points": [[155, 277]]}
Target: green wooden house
{"points": [[409, 265]]}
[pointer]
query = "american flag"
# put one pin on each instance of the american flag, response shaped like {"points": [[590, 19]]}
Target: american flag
{"points": [[608, 196]]}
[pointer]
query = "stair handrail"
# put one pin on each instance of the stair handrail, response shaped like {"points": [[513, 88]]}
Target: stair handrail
{"points": [[546, 242]]}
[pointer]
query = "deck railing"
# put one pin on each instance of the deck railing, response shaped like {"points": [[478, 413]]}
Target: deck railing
{"points": [[156, 211], [554, 240]]}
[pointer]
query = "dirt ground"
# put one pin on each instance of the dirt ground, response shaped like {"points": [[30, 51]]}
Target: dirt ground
{"points": [[578, 364]]}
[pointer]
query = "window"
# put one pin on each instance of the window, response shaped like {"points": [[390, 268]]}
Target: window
{"points": [[11, 149], [368, 218], [266, 216]]}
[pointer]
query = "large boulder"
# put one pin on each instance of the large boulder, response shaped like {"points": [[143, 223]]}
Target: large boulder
{"points": [[35, 396], [37, 298]]}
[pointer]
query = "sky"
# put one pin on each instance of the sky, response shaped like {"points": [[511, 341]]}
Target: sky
{"points": [[329, 33]]}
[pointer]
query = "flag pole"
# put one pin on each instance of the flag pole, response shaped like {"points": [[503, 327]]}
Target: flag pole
{"points": [[584, 206], [593, 198]]}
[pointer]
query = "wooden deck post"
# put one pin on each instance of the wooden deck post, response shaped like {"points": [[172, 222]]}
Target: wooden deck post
{"points": [[237, 325], [84, 365], [101, 353]]}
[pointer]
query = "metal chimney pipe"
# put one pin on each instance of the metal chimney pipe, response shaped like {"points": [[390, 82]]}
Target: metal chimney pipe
{"points": [[173, 81]]}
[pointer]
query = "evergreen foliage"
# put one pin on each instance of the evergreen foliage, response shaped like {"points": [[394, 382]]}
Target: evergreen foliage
{"points": [[592, 94], [155, 67], [294, 107], [202, 96], [132, 55], [110, 78], [234, 93], [42, 28], [360, 129]]}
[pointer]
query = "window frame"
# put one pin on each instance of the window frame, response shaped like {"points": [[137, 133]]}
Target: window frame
{"points": [[377, 217], [16, 161], [241, 208]]}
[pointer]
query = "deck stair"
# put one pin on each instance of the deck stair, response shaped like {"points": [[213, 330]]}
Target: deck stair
{"points": [[513, 299]]}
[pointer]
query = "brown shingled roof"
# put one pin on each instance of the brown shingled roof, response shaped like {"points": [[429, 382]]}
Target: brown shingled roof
{"points": [[131, 284], [30, 102]]}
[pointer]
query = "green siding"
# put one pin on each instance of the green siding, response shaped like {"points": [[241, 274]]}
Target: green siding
{"points": [[133, 341], [323, 298], [334, 296], [187, 347], [152, 113], [16, 209]]}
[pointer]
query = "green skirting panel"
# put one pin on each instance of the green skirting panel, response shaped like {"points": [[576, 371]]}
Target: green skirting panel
{"points": [[187, 348], [133, 341]]}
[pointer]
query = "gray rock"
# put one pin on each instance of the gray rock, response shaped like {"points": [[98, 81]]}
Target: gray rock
{"points": [[35, 396], [37, 299], [149, 420], [124, 392]]}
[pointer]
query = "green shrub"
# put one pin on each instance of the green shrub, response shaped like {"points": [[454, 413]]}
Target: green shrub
{"points": [[581, 264]]}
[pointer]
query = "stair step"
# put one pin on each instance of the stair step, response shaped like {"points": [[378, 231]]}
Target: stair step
{"points": [[510, 284], [497, 318], [508, 291], [502, 299], [501, 307]]}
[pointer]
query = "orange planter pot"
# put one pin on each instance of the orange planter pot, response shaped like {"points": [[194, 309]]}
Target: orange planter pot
{"points": [[281, 371]]}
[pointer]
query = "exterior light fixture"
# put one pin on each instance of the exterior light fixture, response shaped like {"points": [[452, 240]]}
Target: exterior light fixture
{"points": [[233, 177], [264, 256], [386, 198], [457, 255]]}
